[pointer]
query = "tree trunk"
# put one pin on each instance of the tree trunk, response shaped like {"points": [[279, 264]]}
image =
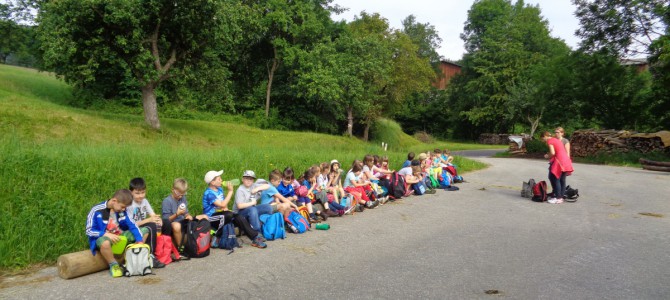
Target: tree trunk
{"points": [[366, 131], [534, 122], [350, 121], [271, 74], [150, 106]]}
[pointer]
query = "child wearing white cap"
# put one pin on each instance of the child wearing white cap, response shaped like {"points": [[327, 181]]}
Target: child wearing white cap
{"points": [[215, 206]]}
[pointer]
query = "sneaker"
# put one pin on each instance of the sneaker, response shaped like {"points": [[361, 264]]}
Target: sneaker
{"points": [[312, 220], [261, 237], [368, 204], [332, 213], [157, 263], [375, 203], [360, 208], [350, 209], [323, 215], [340, 212], [115, 270], [258, 243], [555, 201]]}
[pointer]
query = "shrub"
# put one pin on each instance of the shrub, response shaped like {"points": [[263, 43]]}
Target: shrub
{"points": [[536, 146]]}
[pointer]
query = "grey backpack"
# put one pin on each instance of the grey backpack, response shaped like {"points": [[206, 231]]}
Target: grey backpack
{"points": [[138, 260], [527, 188]]}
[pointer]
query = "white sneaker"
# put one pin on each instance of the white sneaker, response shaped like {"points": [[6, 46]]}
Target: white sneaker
{"points": [[555, 201]]}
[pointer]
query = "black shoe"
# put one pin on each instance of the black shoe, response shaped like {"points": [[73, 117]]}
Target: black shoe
{"points": [[323, 215], [157, 263]]}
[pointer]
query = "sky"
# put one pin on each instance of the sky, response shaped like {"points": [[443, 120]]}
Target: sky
{"points": [[448, 17]]}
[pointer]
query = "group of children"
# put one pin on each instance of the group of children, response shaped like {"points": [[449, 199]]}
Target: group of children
{"points": [[321, 189]]}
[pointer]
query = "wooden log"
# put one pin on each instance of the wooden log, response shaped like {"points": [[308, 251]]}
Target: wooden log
{"points": [[82, 263], [656, 168], [654, 163]]}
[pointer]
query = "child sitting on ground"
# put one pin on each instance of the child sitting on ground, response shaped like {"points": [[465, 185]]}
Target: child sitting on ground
{"points": [[354, 184], [285, 187], [143, 215], [408, 162], [106, 222], [175, 214], [271, 196], [215, 206], [322, 183], [334, 180]]}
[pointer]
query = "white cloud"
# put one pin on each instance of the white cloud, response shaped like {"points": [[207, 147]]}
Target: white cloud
{"points": [[448, 17]]}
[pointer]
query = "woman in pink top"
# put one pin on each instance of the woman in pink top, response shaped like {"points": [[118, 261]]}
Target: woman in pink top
{"points": [[560, 166]]}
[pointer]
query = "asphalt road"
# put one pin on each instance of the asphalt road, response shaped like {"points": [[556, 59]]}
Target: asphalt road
{"points": [[482, 242]]}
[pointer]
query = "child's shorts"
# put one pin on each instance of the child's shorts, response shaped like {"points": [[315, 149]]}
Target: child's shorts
{"points": [[303, 201]]}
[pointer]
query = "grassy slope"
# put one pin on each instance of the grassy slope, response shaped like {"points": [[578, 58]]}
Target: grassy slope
{"points": [[58, 161]]}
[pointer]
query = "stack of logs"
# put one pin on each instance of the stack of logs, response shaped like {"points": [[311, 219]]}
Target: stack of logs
{"points": [[655, 165], [493, 139], [590, 142]]}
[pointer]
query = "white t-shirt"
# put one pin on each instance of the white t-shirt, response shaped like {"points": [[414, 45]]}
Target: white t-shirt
{"points": [[405, 171], [322, 181], [138, 212]]}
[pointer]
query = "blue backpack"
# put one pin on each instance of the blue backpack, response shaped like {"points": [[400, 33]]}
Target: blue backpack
{"points": [[228, 238], [298, 221], [445, 179], [273, 226]]}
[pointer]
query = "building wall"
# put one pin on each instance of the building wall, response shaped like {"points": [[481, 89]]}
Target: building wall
{"points": [[449, 70]]}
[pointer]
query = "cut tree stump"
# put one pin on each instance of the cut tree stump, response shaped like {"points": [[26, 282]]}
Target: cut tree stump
{"points": [[82, 263]]}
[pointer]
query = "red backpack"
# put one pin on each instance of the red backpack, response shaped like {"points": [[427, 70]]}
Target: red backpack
{"points": [[540, 192], [164, 247]]}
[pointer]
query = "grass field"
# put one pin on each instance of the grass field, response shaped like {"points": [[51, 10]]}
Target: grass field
{"points": [[58, 161]]}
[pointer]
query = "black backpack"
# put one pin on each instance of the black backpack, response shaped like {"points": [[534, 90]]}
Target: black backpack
{"points": [[198, 238], [572, 194], [397, 186]]}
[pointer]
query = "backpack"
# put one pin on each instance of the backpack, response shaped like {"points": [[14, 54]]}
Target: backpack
{"points": [[458, 179], [273, 226], [377, 189], [346, 200], [433, 182], [164, 248], [445, 179], [198, 238], [228, 239], [419, 188], [304, 212], [138, 260], [298, 221], [397, 186], [452, 170], [527, 188], [572, 194], [540, 192]]}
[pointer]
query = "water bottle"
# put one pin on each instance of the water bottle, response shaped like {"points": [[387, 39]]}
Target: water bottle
{"points": [[322, 226], [234, 182], [293, 228]]}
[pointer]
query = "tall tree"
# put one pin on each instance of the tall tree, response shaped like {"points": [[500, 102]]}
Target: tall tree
{"points": [[502, 41], [289, 25], [629, 29], [146, 41]]}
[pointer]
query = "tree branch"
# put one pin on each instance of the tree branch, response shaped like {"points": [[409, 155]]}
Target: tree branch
{"points": [[154, 48]]}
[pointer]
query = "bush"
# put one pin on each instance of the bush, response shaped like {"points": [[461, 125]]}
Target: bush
{"points": [[390, 132], [424, 137], [536, 146]]}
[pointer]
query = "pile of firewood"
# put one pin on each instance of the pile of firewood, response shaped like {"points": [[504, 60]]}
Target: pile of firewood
{"points": [[590, 142], [493, 139]]}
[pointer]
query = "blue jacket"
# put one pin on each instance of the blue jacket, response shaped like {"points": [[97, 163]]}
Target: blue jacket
{"points": [[96, 224]]}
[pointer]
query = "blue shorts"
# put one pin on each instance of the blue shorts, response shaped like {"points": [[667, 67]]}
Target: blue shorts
{"points": [[303, 200]]}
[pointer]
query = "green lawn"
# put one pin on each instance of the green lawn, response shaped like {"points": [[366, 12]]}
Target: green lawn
{"points": [[58, 161]]}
